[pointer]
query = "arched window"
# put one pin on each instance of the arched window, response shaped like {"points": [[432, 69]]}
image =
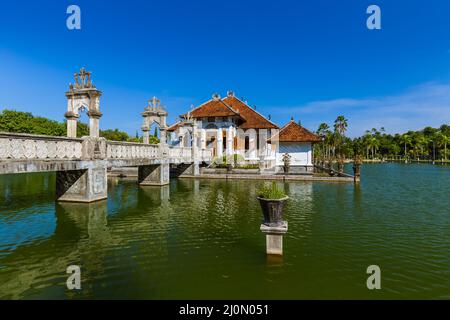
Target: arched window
{"points": [[247, 143]]}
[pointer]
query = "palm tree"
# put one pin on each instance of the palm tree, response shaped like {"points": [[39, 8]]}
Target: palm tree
{"points": [[323, 131], [340, 126], [442, 140], [420, 141], [366, 142], [405, 139]]}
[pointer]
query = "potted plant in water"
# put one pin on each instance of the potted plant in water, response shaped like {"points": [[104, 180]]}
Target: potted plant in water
{"points": [[272, 200], [357, 166]]}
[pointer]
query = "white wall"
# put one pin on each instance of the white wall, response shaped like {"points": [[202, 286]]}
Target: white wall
{"points": [[301, 153]]}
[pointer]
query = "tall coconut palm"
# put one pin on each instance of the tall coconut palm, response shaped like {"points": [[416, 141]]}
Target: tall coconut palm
{"points": [[442, 140], [340, 126], [322, 132], [405, 139], [420, 141]]}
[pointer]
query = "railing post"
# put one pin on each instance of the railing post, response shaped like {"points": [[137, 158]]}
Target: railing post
{"points": [[145, 135]]}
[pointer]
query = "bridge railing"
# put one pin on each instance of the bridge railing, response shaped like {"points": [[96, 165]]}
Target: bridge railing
{"points": [[131, 150], [206, 155], [20, 146], [180, 153]]}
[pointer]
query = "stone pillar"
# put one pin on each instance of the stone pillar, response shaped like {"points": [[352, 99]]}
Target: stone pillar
{"points": [[203, 138], [230, 150], [86, 185], [274, 238], [72, 119], [252, 144], [192, 169], [194, 143], [145, 135], [163, 135], [219, 142], [262, 143], [94, 123], [154, 175]]}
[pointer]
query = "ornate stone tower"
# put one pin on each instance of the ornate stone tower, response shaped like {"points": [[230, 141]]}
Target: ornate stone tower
{"points": [[83, 96], [154, 112]]}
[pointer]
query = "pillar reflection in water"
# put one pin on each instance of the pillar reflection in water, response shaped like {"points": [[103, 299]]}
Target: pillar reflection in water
{"points": [[157, 195], [82, 218]]}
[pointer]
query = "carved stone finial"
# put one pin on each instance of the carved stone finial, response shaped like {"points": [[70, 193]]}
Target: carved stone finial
{"points": [[83, 79]]}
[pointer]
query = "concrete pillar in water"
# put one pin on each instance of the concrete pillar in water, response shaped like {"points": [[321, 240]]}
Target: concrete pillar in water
{"points": [[87, 185], [90, 183], [274, 238], [154, 175]]}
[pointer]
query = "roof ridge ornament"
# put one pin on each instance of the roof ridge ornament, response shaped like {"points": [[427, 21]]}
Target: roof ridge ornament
{"points": [[216, 96]]}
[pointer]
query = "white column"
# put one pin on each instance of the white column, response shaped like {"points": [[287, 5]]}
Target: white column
{"points": [[230, 140], [194, 143], [203, 138], [94, 130], [71, 127], [252, 143], [262, 143], [219, 142]]}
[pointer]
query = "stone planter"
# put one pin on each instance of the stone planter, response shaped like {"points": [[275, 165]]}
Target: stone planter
{"points": [[356, 169], [273, 211], [340, 167]]}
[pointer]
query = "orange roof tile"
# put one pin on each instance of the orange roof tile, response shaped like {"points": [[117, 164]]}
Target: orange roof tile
{"points": [[293, 132], [213, 108], [253, 119], [175, 126]]}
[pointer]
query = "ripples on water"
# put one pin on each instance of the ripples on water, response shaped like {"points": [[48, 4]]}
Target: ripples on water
{"points": [[201, 239]]}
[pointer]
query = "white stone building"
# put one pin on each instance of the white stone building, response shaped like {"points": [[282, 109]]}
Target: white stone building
{"points": [[228, 126]]}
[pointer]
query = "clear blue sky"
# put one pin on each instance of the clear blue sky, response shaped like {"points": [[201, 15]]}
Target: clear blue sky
{"points": [[312, 60]]}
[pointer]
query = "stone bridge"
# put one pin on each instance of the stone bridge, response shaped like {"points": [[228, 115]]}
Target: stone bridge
{"points": [[82, 163]]}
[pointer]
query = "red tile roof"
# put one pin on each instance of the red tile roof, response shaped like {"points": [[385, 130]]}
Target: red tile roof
{"points": [[232, 106], [213, 108], [293, 132], [253, 119], [175, 126]]}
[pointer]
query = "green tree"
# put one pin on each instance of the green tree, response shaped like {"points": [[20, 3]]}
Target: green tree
{"points": [[405, 140]]}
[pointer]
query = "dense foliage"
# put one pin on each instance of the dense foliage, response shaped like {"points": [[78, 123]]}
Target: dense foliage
{"points": [[427, 144], [25, 122]]}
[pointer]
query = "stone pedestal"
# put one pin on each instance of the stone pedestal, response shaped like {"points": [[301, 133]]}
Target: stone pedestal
{"points": [[274, 238], [154, 175], [86, 185], [192, 170]]}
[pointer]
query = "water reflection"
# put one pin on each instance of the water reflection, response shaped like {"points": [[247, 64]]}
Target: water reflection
{"points": [[82, 218], [201, 239]]}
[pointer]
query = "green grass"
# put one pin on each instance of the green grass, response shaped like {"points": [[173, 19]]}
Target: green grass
{"points": [[272, 192]]}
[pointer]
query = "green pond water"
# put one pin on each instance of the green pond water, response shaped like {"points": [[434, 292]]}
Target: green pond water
{"points": [[200, 239]]}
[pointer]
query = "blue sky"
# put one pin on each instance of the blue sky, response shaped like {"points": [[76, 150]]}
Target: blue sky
{"points": [[312, 60]]}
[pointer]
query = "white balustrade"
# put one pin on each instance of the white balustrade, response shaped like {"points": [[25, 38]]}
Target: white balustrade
{"points": [[33, 147], [27, 147], [130, 150]]}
